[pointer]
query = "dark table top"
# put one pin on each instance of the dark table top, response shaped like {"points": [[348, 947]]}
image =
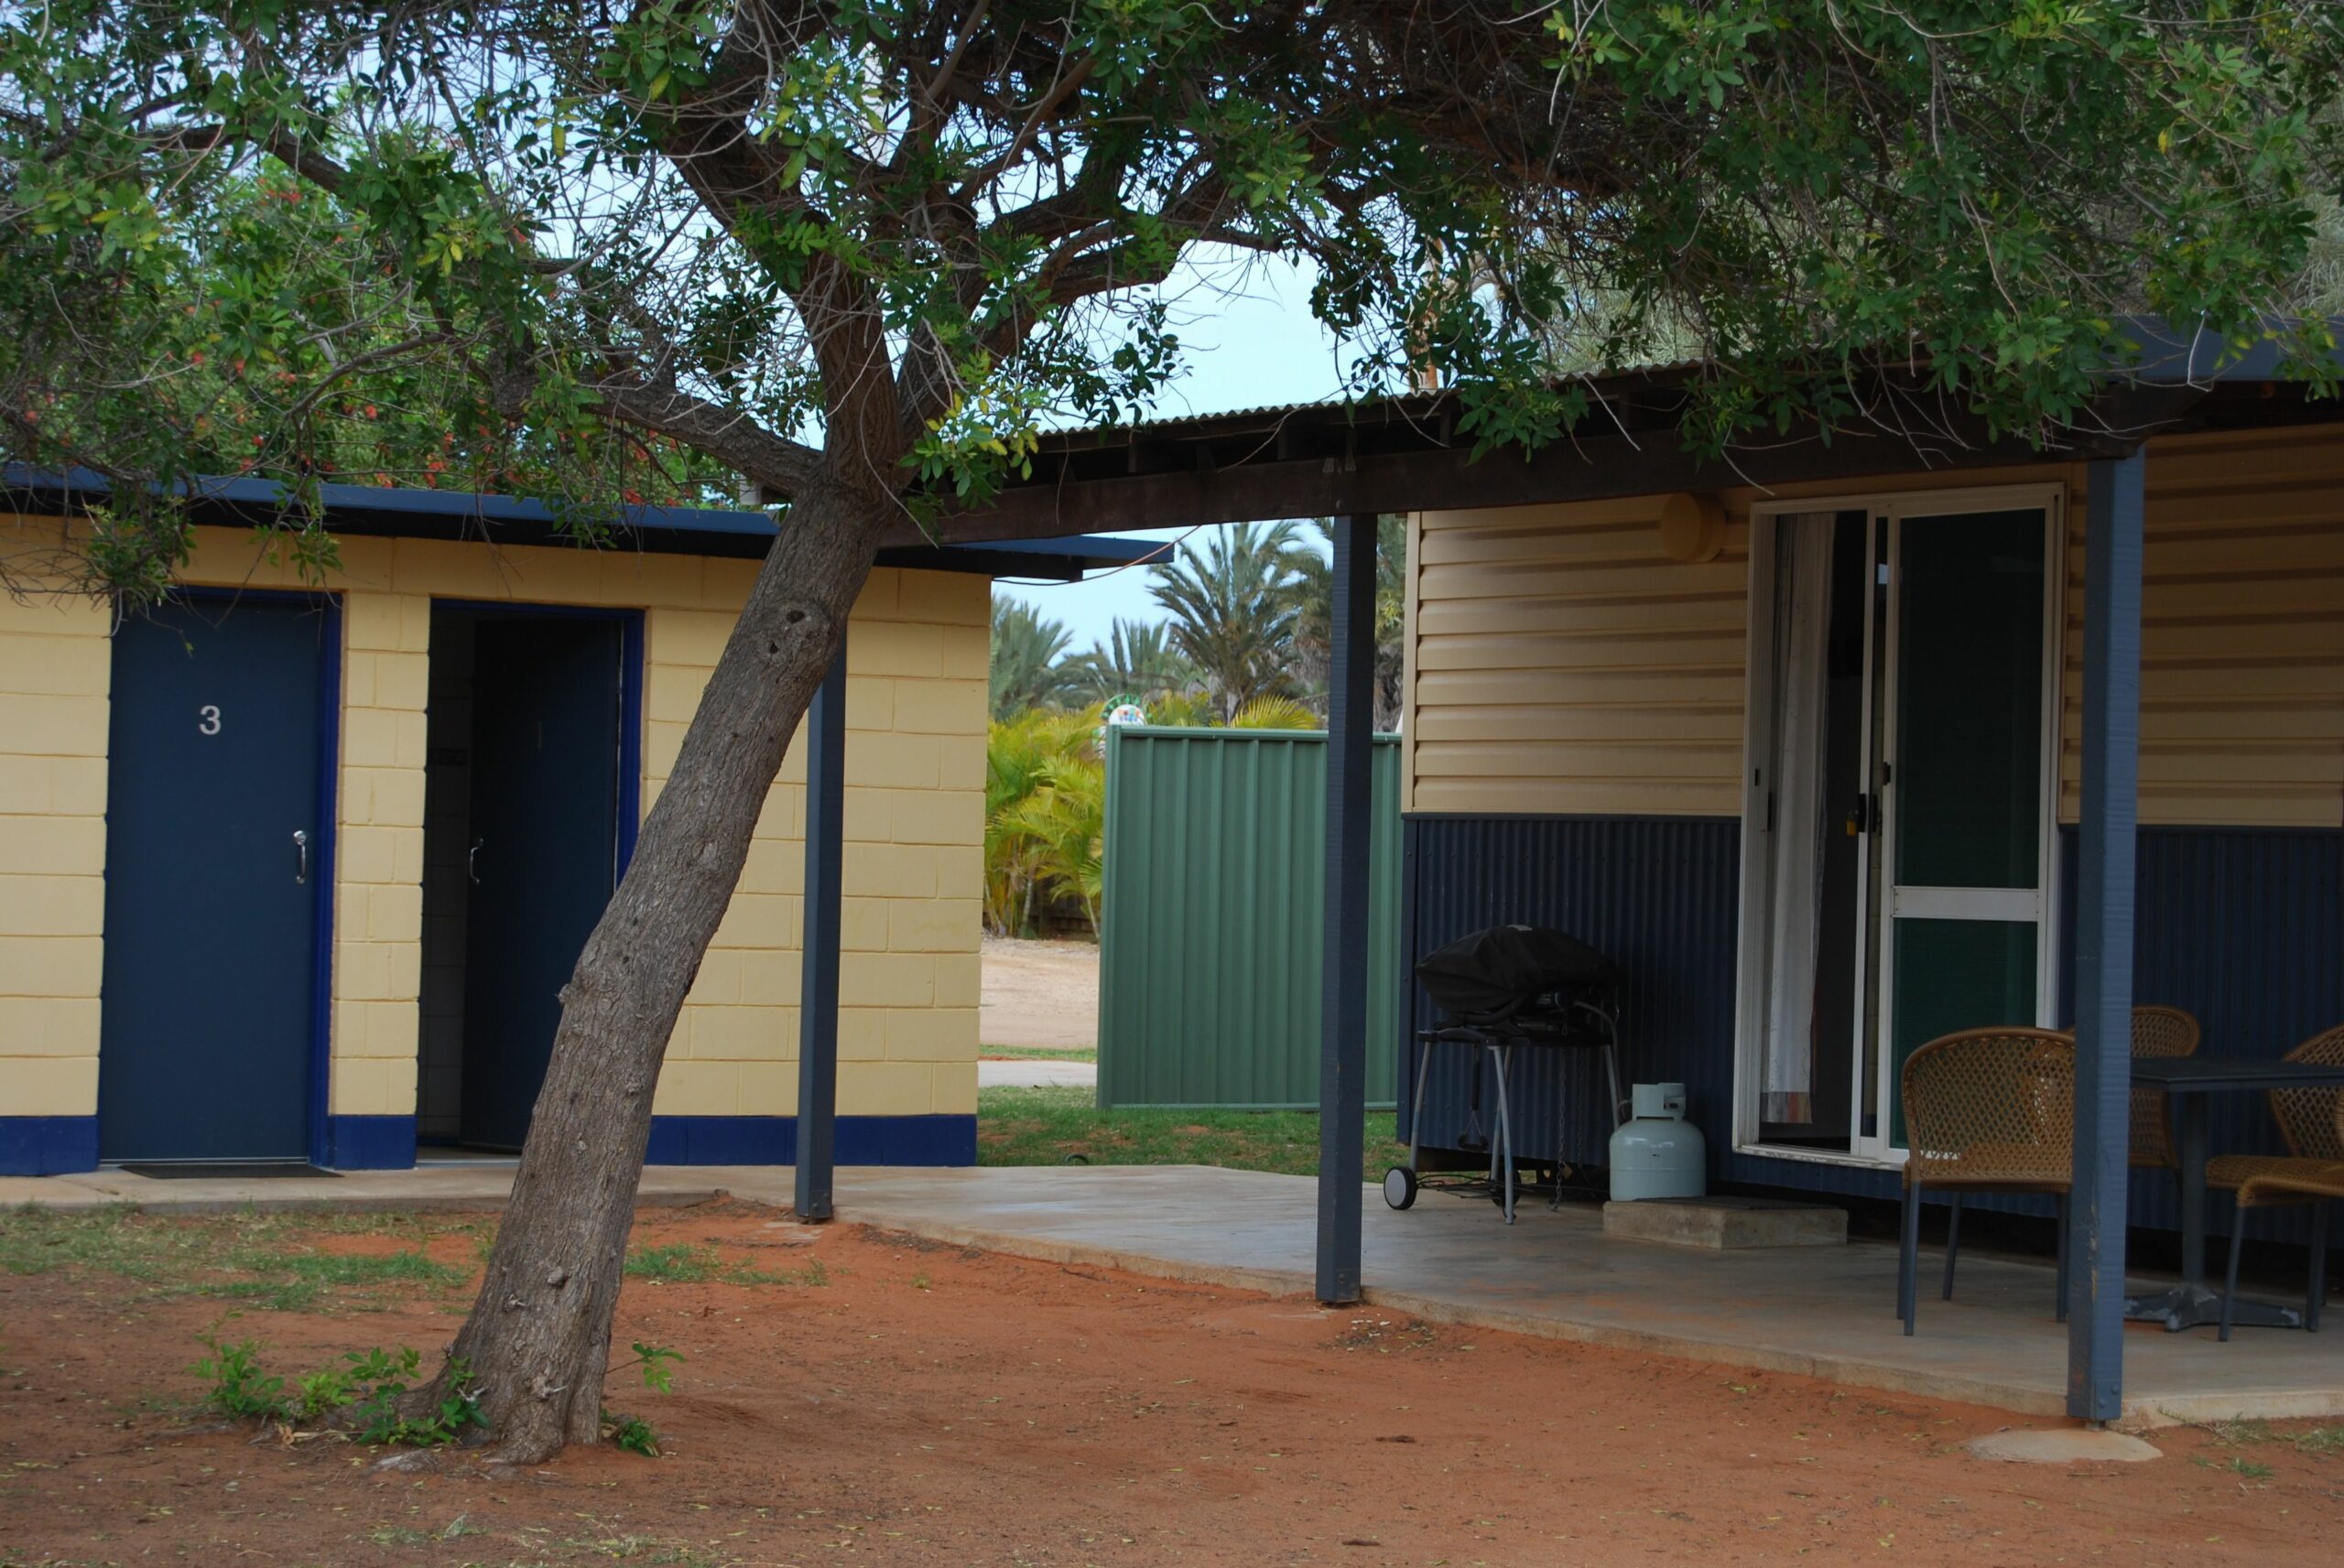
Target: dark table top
{"points": [[2204, 1075]]}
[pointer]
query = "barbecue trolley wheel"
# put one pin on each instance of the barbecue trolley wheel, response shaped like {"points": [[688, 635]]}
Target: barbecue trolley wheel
{"points": [[1400, 1187]]}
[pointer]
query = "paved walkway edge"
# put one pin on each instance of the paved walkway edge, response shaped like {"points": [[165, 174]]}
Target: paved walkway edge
{"points": [[1845, 1371]]}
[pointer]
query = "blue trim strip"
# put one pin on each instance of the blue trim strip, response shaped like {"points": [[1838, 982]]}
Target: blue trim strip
{"points": [[47, 1145], [631, 678], [329, 819], [466, 514], [369, 1144], [773, 1140]]}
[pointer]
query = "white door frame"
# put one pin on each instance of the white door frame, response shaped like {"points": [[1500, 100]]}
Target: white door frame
{"points": [[2041, 903]]}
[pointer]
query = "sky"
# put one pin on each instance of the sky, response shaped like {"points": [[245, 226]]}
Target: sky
{"points": [[1250, 341]]}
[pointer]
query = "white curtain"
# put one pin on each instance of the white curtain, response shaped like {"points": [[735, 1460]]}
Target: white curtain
{"points": [[1802, 630]]}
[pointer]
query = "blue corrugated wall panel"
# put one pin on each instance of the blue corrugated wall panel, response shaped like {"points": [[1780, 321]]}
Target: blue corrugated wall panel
{"points": [[2244, 927], [1656, 894]]}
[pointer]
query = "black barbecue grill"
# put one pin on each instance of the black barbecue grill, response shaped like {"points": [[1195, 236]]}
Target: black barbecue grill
{"points": [[1508, 988]]}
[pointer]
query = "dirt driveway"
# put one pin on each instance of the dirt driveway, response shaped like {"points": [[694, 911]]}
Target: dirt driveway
{"points": [[1043, 994], [878, 1399]]}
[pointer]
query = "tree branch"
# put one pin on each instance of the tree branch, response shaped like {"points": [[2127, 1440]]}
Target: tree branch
{"points": [[773, 462]]}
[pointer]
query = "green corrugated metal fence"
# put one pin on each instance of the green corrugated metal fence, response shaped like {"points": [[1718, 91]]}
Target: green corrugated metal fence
{"points": [[1215, 901]]}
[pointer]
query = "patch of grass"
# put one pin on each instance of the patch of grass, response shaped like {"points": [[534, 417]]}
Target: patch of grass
{"points": [[265, 1262], [1045, 1126], [399, 1535], [2312, 1442], [1035, 1053], [697, 1263], [363, 1268], [642, 1549], [2320, 1441]]}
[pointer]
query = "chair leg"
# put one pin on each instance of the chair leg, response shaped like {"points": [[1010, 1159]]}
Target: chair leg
{"points": [[2316, 1291], [1908, 1257], [2229, 1279], [1952, 1241], [2059, 1211]]}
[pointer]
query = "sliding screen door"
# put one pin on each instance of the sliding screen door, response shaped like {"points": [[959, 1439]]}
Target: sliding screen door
{"points": [[1897, 819], [1967, 802]]}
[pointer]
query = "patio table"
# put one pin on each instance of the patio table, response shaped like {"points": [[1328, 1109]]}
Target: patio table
{"points": [[2187, 1082]]}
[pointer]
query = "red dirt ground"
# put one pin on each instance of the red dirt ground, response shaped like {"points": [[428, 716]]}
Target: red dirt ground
{"points": [[931, 1405]]}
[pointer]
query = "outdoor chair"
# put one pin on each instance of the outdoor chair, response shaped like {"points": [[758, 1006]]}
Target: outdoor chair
{"points": [[2312, 1170], [2158, 1032], [1985, 1111]]}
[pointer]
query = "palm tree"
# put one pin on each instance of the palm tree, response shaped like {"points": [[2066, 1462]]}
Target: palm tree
{"points": [[1277, 713], [1135, 659], [1046, 792], [1314, 592], [1024, 668], [1233, 611]]}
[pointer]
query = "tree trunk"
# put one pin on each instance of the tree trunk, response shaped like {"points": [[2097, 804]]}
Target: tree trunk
{"points": [[538, 1341]]}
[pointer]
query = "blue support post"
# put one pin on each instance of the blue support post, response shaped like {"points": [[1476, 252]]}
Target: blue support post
{"points": [[817, 997], [1342, 1058], [2112, 735]]}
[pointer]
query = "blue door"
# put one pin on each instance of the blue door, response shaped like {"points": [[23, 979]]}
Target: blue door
{"points": [[215, 881], [547, 694]]}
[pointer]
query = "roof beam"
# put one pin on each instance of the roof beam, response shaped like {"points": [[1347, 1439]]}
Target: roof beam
{"points": [[1175, 489]]}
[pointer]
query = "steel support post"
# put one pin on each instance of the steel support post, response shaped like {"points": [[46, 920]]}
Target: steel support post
{"points": [[1342, 1059], [818, 996], [2111, 734]]}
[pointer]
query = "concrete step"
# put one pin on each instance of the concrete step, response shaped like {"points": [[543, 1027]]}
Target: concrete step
{"points": [[1723, 1223]]}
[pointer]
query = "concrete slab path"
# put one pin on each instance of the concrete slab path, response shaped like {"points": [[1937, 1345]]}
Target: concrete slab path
{"points": [[1822, 1311], [1825, 1312]]}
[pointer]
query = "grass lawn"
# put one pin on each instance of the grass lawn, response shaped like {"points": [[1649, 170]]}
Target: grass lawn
{"points": [[1043, 1127], [1036, 1054], [253, 1262]]}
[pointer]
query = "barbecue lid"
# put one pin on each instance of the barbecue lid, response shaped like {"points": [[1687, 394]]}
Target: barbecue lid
{"points": [[1508, 966]]}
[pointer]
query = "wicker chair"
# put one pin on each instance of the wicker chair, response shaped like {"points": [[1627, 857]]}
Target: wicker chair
{"points": [[1985, 1111], [2158, 1032], [2312, 1170]]}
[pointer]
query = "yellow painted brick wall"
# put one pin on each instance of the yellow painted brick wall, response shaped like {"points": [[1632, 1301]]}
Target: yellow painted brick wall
{"points": [[916, 718], [53, 683], [913, 863]]}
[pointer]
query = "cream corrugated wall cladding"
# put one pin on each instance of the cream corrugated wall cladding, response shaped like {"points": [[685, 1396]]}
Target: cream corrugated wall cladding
{"points": [[2242, 635], [1562, 663]]}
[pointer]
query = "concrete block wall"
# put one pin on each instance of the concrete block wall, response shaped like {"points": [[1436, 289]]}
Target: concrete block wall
{"points": [[913, 863], [53, 679], [916, 718]]}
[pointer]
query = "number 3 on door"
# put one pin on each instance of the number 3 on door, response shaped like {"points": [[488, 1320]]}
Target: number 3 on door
{"points": [[207, 719]]}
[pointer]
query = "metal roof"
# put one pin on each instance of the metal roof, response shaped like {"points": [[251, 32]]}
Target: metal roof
{"points": [[2168, 356], [1404, 453], [385, 512]]}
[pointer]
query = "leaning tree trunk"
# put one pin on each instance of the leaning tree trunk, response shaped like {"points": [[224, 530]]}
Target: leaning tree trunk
{"points": [[538, 1341]]}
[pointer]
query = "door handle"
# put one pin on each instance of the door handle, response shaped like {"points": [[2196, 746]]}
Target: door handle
{"points": [[472, 862], [301, 853]]}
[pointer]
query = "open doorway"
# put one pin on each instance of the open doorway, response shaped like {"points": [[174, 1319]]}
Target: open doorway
{"points": [[530, 802]]}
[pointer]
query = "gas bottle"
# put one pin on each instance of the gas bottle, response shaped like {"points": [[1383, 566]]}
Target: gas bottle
{"points": [[1658, 1154]]}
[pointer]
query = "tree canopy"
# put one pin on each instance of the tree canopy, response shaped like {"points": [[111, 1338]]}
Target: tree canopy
{"points": [[583, 243]]}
